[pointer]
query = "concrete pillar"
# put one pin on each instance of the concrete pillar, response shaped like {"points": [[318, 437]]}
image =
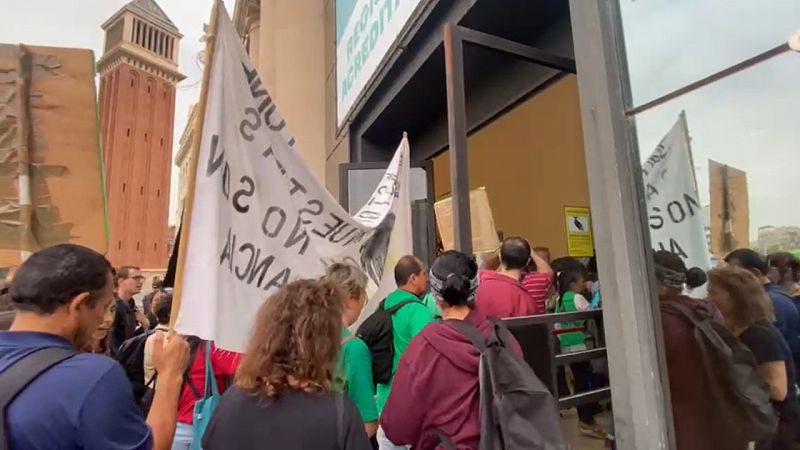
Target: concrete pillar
{"points": [[291, 63]]}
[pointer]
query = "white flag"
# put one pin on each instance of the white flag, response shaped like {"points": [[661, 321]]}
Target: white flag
{"points": [[261, 220], [674, 212]]}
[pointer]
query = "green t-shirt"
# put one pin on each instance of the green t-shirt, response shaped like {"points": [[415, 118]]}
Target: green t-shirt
{"points": [[406, 323], [430, 303], [354, 375], [577, 339]]}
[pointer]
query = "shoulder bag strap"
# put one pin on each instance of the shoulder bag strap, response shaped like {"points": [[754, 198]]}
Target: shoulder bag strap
{"points": [[500, 331], [470, 332], [187, 374], [397, 307], [211, 379], [447, 444], [704, 325], [17, 377]]}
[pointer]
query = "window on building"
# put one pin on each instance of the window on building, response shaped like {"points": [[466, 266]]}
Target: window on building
{"points": [[123, 187], [137, 245], [128, 133], [141, 190]]}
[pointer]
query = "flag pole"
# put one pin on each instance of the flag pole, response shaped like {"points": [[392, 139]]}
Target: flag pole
{"points": [[689, 145], [197, 135]]}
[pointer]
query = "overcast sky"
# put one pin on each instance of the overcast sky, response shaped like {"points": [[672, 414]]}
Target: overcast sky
{"points": [[76, 23], [751, 120]]}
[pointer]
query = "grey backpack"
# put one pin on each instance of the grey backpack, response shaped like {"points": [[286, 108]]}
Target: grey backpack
{"points": [[741, 396], [517, 410]]}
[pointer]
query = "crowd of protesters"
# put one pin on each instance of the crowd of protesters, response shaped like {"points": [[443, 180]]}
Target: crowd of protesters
{"points": [[76, 322]]}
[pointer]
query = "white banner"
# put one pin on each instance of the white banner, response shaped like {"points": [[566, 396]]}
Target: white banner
{"points": [[260, 219], [674, 212]]}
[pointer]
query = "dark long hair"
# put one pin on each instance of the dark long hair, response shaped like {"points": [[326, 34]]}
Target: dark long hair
{"points": [[566, 279]]}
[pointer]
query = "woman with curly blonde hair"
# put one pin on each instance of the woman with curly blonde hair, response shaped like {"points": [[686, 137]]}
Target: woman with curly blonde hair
{"points": [[282, 396]]}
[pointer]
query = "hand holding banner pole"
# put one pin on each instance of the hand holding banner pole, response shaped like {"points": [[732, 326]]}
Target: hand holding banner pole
{"points": [[211, 40]]}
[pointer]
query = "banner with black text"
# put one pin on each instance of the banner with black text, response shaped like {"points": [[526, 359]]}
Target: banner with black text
{"points": [[260, 219], [673, 205]]}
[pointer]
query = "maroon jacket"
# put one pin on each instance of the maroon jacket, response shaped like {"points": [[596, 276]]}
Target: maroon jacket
{"points": [[501, 296], [693, 411], [436, 387]]}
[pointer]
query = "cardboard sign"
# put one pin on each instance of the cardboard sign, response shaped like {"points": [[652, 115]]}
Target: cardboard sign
{"points": [[484, 233], [49, 147], [730, 212]]}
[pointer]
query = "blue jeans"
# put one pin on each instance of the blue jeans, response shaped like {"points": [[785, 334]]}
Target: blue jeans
{"points": [[385, 444], [183, 437]]}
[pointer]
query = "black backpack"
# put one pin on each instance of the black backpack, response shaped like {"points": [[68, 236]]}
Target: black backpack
{"points": [[131, 356], [741, 395], [378, 333], [517, 411]]}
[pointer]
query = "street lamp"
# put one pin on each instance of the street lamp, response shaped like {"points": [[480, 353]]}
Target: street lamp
{"points": [[794, 41]]}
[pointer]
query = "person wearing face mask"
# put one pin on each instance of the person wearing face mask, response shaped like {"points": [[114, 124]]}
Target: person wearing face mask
{"points": [[354, 369]]}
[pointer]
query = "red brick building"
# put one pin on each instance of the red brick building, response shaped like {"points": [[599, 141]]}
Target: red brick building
{"points": [[138, 77]]}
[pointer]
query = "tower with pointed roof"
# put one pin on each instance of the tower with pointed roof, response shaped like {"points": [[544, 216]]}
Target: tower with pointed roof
{"points": [[138, 77]]}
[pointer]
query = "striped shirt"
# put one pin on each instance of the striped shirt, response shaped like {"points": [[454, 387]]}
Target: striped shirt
{"points": [[538, 286]]}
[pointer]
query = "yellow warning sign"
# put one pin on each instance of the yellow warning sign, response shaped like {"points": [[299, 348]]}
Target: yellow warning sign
{"points": [[579, 231]]}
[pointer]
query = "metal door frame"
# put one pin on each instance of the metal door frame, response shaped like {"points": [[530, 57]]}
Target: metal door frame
{"points": [[426, 165], [454, 37]]}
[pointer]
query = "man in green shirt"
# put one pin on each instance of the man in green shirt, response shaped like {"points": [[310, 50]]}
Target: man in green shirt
{"points": [[412, 283]]}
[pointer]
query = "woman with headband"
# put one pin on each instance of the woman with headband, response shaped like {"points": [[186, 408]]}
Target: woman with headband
{"points": [[436, 384]]}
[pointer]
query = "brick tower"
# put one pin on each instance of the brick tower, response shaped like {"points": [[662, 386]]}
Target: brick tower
{"points": [[138, 77]]}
